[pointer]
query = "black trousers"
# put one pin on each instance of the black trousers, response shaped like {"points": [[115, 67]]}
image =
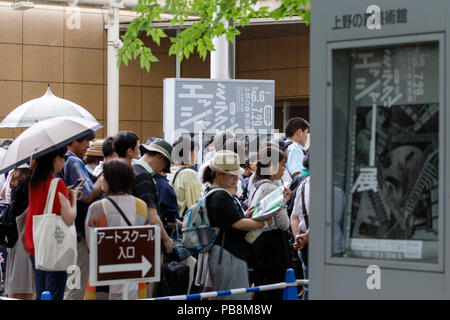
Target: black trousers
{"points": [[272, 257], [263, 276]]}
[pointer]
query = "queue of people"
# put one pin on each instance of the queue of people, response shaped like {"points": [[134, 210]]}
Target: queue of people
{"points": [[125, 182]]}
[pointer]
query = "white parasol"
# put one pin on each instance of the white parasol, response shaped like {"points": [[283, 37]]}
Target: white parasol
{"points": [[45, 107], [44, 137]]}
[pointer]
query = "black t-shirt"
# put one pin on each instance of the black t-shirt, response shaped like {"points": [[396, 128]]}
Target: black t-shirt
{"points": [[224, 211]]}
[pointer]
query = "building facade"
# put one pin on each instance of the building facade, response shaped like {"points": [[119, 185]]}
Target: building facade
{"points": [[43, 46]]}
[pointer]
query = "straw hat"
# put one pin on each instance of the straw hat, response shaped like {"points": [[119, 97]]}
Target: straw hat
{"points": [[226, 161], [95, 148]]}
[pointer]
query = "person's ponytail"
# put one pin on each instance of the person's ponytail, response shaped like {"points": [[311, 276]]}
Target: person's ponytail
{"points": [[209, 175]]}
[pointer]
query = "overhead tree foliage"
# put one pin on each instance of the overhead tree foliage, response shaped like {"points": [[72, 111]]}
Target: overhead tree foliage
{"points": [[209, 23]]}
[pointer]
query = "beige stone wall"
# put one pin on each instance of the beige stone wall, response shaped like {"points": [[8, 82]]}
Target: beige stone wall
{"points": [[283, 59], [38, 49]]}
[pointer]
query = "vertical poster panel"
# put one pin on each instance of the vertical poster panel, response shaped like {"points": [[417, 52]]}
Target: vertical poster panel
{"points": [[392, 152]]}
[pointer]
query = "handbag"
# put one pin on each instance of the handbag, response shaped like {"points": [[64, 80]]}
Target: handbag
{"points": [[55, 243], [178, 248]]}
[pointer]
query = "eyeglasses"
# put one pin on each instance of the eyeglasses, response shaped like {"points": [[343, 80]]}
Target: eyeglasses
{"points": [[65, 157]]}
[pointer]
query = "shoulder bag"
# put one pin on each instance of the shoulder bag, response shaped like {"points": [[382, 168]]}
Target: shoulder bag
{"points": [[55, 243]]}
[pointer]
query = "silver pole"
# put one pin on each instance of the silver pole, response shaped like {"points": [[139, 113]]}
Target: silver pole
{"points": [[222, 58], [114, 44]]}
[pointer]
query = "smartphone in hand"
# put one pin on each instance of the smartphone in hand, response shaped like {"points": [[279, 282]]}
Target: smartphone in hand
{"points": [[79, 182]]}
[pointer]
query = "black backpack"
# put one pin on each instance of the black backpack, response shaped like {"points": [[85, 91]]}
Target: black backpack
{"points": [[8, 225]]}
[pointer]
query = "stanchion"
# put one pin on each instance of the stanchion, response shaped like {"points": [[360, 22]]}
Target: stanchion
{"points": [[290, 292], [46, 295]]}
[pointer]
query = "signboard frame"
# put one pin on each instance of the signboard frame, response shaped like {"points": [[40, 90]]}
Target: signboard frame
{"points": [[169, 112], [341, 278], [93, 257], [388, 41]]}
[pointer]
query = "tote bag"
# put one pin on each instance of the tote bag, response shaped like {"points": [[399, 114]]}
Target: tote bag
{"points": [[55, 244]]}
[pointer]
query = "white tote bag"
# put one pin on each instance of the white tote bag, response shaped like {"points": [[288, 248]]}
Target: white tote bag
{"points": [[55, 244]]}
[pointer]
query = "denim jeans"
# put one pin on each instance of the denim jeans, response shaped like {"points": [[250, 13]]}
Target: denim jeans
{"points": [[52, 281]]}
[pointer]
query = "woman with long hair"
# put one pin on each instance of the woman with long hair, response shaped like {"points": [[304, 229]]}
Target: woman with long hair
{"points": [[46, 168], [271, 250]]}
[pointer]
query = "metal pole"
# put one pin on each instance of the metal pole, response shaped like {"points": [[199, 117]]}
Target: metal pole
{"points": [[232, 54], [177, 62], [125, 291], [114, 44]]}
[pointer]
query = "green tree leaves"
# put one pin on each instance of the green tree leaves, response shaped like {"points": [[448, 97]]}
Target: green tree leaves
{"points": [[209, 17]]}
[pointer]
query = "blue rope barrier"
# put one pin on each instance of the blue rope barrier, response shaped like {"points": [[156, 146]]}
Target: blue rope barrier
{"points": [[290, 292], [204, 295]]}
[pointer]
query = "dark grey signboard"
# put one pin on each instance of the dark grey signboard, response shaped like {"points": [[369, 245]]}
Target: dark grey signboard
{"points": [[191, 105]]}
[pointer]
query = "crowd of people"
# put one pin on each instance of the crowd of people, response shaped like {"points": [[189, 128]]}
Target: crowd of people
{"points": [[126, 182]]}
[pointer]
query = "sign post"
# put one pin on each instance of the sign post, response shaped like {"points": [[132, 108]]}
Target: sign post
{"points": [[120, 255]]}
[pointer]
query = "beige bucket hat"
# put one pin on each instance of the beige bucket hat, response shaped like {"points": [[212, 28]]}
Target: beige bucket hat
{"points": [[226, 161]]}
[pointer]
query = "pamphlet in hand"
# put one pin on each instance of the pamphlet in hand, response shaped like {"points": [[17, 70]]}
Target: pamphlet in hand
{"points": [[270, 205]]}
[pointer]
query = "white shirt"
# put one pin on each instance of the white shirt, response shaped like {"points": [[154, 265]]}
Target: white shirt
{"points": [[7, 188], [98, 169], [286, 179], [298, 204], [295, 159], [338, 213], [2, 180]]}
